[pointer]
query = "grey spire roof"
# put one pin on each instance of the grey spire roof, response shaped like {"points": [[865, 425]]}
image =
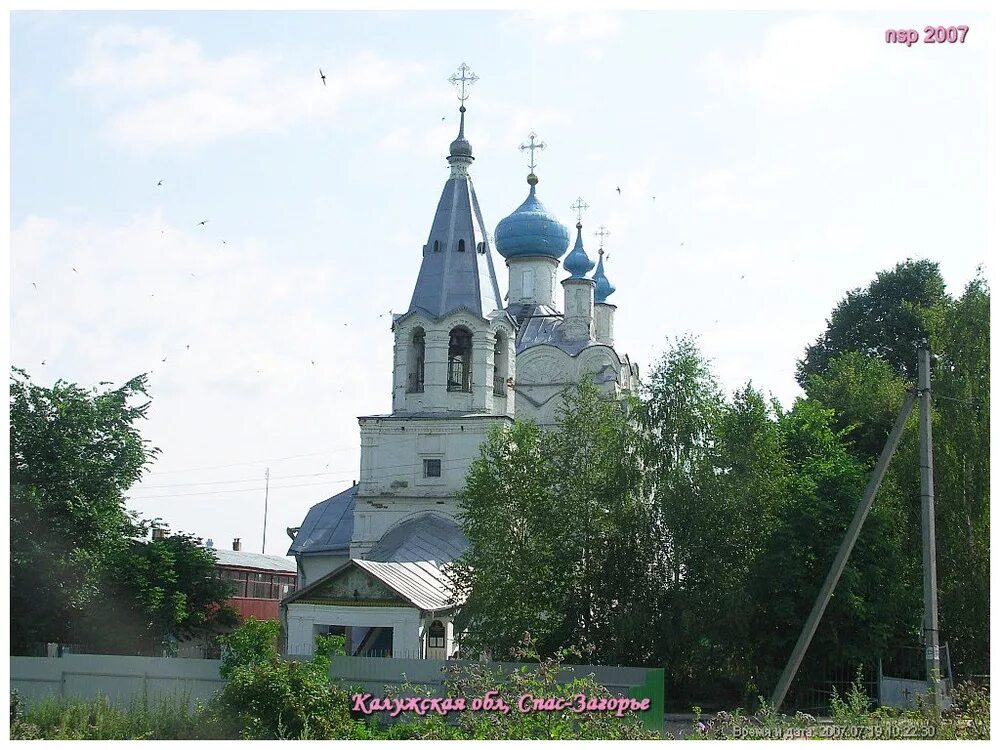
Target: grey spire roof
{"points": [[450, 279]]}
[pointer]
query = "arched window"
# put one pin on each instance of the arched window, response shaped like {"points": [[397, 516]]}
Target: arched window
{"points": [[460, 360], [500, 365], [435, 635], [415, 363], [437, 246], [461, 246], [481, 247]]}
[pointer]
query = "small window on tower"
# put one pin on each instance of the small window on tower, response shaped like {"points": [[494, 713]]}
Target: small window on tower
{"points": [[432, 468], [461, 246], [481, 247], [437, 246]]}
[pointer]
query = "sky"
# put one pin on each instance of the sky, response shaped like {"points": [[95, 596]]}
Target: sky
{"points": [[768, 162]]}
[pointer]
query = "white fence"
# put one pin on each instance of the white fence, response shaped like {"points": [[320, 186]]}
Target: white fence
{"points": [[126, 678], [121, 678]]}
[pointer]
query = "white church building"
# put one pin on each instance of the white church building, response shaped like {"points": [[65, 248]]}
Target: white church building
{"points": [[372, 559]]}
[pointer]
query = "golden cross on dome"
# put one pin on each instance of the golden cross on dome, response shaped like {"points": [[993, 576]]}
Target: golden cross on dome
{"points": [[467, 76], [531, 147], [579, 207], [602, 233]]}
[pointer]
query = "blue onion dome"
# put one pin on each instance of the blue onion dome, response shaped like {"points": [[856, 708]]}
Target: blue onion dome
{"points": [[603, 288], [460, 146], [531, 230], [577, 262]]}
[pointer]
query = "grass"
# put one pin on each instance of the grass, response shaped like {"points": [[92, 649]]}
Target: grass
{"points": [[168, 717]]}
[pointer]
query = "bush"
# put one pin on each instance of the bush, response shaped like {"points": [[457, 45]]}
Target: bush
{"points": [[968, 717], [550, 679], [267, 697]]}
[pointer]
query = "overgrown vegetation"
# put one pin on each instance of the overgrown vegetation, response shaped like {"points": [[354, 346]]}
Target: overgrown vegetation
{"points": [[267, 697], [853, 718], [692, 530]]}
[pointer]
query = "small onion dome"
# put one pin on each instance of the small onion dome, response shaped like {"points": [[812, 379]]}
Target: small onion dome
{"points": [[460, 146], [603, 288], [531, 230], [577, 262]]}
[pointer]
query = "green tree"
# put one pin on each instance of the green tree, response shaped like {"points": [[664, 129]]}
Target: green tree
{"points": [[548, 514], [886, 320], [73, 453], [869, 606], [507, 577], [158, 592], [864, 384], [82, 570], [960, 340]]}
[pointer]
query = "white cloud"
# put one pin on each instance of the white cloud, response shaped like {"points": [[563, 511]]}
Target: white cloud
{"points": [[578, 27], [239, 327], [163, 90], [801, 61]]}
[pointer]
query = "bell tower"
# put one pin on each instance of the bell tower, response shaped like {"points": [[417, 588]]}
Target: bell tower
{"points": [[453, 364]]}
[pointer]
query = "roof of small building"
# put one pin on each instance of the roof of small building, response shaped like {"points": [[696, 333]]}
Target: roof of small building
{"points": [[328, 526], [233, 559], [412, 560]]}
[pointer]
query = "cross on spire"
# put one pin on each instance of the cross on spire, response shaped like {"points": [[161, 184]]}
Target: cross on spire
{"points": [[531, 147], [602, 232], [579, 207], [467, 76]]}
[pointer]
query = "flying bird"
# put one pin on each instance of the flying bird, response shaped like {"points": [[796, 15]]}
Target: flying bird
{"points": [[74, 270], [43, 361], [312, 361], [322, 77], [159, 183], [619, 190], [223, 242], [34, 285], [187, 346], [203, 223], [164, 359]]}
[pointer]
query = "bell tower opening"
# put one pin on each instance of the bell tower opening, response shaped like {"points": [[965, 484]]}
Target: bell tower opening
{"points": [[501, 367], [460, 360], [415, 363]]}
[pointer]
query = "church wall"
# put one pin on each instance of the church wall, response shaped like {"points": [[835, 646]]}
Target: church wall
{"points": [[544, 371], [604, 323], [532, 280], [396, 482], [313, 567]]}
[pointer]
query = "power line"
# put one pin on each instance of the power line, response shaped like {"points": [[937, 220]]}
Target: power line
{"points": [[233, 481], [226, 492], [251, 463], [313, 484]]}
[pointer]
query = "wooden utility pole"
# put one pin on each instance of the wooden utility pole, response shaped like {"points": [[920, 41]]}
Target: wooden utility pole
{"points": [[932, 650], [840, 561], [267, 481]]}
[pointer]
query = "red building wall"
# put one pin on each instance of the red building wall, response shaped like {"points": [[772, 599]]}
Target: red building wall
{"points": [[259, 609]]}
